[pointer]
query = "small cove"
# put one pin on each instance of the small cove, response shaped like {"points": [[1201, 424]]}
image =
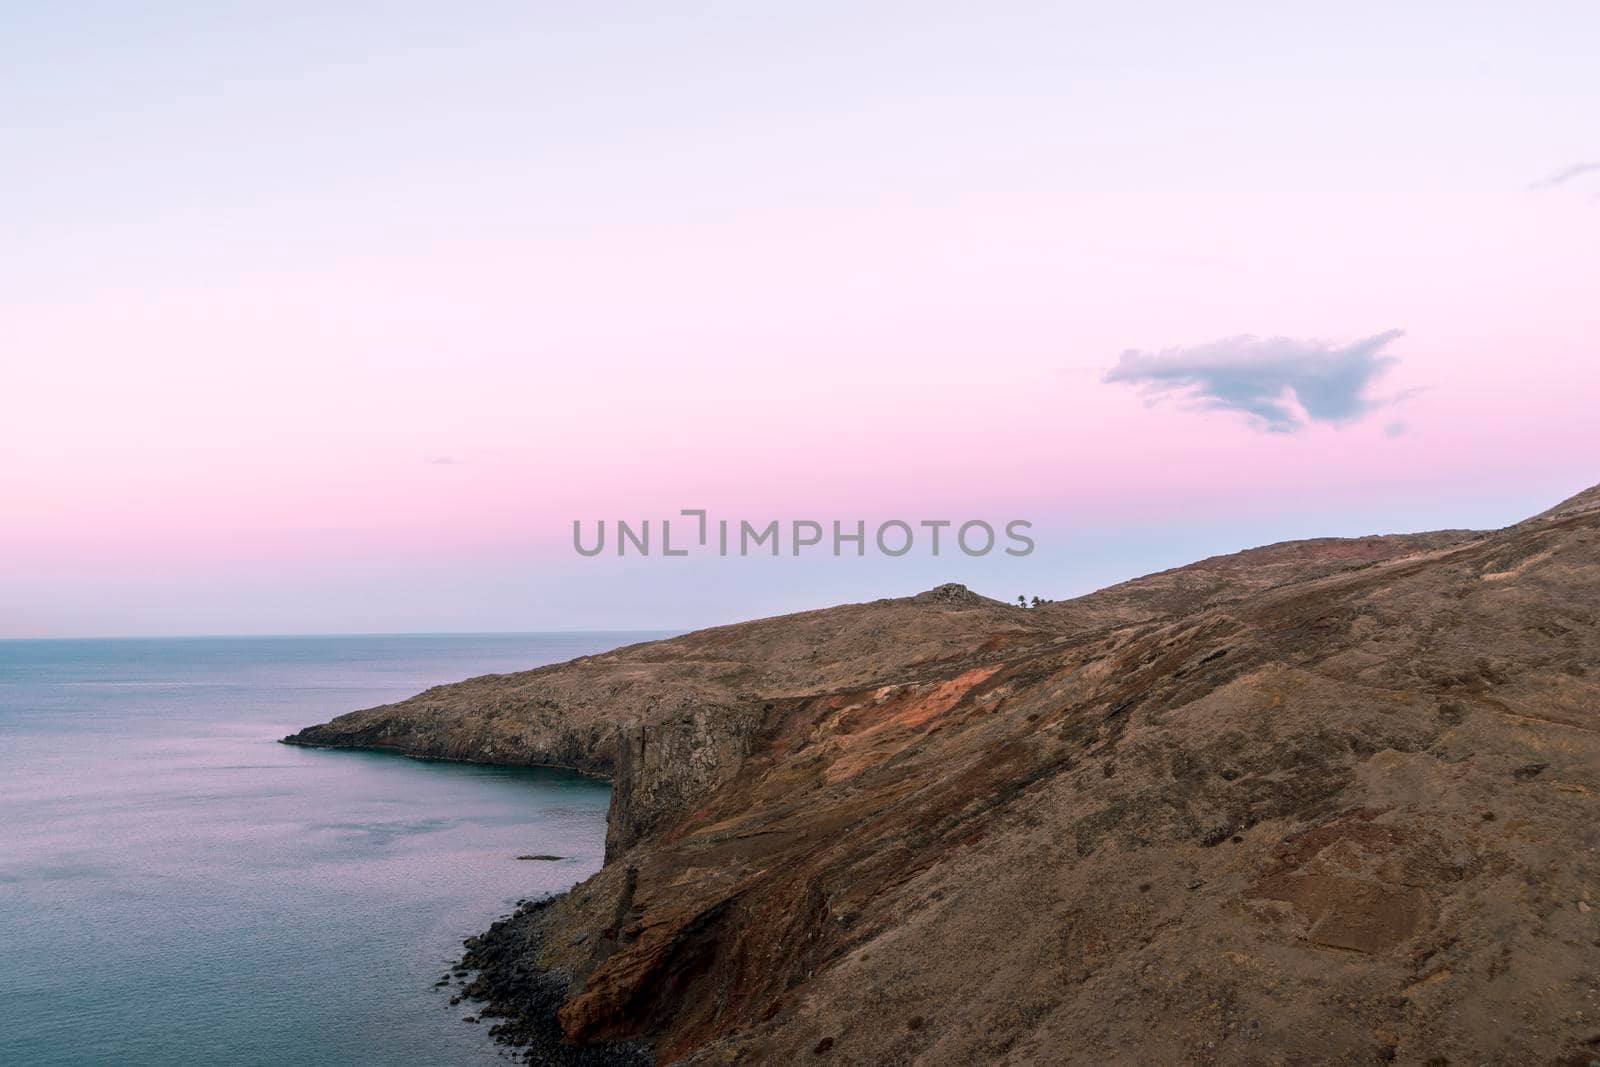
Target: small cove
{"points": [[178, 886]]}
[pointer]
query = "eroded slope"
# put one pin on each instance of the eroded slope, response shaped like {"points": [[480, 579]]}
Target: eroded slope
{"points": [[1343, 802]]}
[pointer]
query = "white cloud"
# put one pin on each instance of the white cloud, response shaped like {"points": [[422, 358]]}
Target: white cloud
{"points": [[1282, 384], [1563, 176]]}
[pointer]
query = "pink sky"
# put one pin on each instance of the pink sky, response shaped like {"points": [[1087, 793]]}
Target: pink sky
{"points": [[261, 277]]}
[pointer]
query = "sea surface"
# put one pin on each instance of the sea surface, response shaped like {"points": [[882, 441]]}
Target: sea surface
{"points": [[177, 887]]}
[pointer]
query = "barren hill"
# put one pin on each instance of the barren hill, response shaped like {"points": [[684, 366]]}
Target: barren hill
{"points": [[1333, 801]]}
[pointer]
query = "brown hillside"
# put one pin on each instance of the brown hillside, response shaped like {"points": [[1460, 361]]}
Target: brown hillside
{"points": [[1330, 801]]}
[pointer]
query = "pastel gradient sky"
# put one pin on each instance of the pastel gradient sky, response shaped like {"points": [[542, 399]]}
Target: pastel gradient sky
{"points": [[331, 318]]}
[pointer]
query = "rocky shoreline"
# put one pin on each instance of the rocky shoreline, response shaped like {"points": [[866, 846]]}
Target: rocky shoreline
{"points": [[583, 766], [526, 999]]}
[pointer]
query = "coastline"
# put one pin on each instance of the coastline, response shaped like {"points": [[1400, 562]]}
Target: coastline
{"points": [[873, 831], [525, 999], [429, 757], [134, 920], [522, 998]]}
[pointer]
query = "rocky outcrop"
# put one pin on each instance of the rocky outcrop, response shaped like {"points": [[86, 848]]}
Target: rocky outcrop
{"points": [[663, 768], [670, 721], [1339, 796]]}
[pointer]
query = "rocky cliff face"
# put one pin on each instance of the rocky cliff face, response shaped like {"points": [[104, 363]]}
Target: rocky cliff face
{"points": [[670, 721], [1332, 797]]}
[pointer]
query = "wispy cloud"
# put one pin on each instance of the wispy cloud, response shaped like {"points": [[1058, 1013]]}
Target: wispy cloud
{"points": [[444, 461], [1563, 176], [1282, 384]]}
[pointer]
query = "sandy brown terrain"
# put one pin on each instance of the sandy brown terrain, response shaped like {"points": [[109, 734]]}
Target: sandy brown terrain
{"points": [[1332, 801]]}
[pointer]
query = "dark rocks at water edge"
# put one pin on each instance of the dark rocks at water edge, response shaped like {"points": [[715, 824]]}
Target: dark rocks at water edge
{"points": [[525, 998]]}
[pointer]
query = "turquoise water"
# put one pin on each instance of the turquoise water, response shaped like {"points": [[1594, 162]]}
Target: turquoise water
{"points": [[176, 887]]}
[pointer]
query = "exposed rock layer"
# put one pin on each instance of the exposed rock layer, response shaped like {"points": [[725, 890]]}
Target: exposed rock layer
{"points": [[1336, 796]]}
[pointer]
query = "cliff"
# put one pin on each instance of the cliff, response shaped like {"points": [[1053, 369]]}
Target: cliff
{"points": [[1337, 796], [670, 721]]}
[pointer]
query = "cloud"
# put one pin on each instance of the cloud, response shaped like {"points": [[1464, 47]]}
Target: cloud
{"points": [[1281, 383], [444, 461], [1563, 176]]}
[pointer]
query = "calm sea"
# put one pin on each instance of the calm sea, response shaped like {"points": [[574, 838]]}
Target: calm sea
{"points": [[176, 887]]}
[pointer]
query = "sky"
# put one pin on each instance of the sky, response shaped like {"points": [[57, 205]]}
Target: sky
{"points": [[325, 318]]}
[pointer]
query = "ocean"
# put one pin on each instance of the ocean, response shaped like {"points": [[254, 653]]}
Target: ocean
{"points": [[177, 887]]}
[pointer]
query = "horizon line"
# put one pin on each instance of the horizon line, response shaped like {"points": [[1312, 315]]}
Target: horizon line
{"points": [[352, 633]]}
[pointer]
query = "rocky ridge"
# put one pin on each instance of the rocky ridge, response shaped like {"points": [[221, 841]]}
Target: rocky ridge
{"points": [[1336, 795]]}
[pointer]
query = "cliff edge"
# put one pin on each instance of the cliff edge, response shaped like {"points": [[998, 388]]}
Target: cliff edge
{"points": [[1336, 795]]}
